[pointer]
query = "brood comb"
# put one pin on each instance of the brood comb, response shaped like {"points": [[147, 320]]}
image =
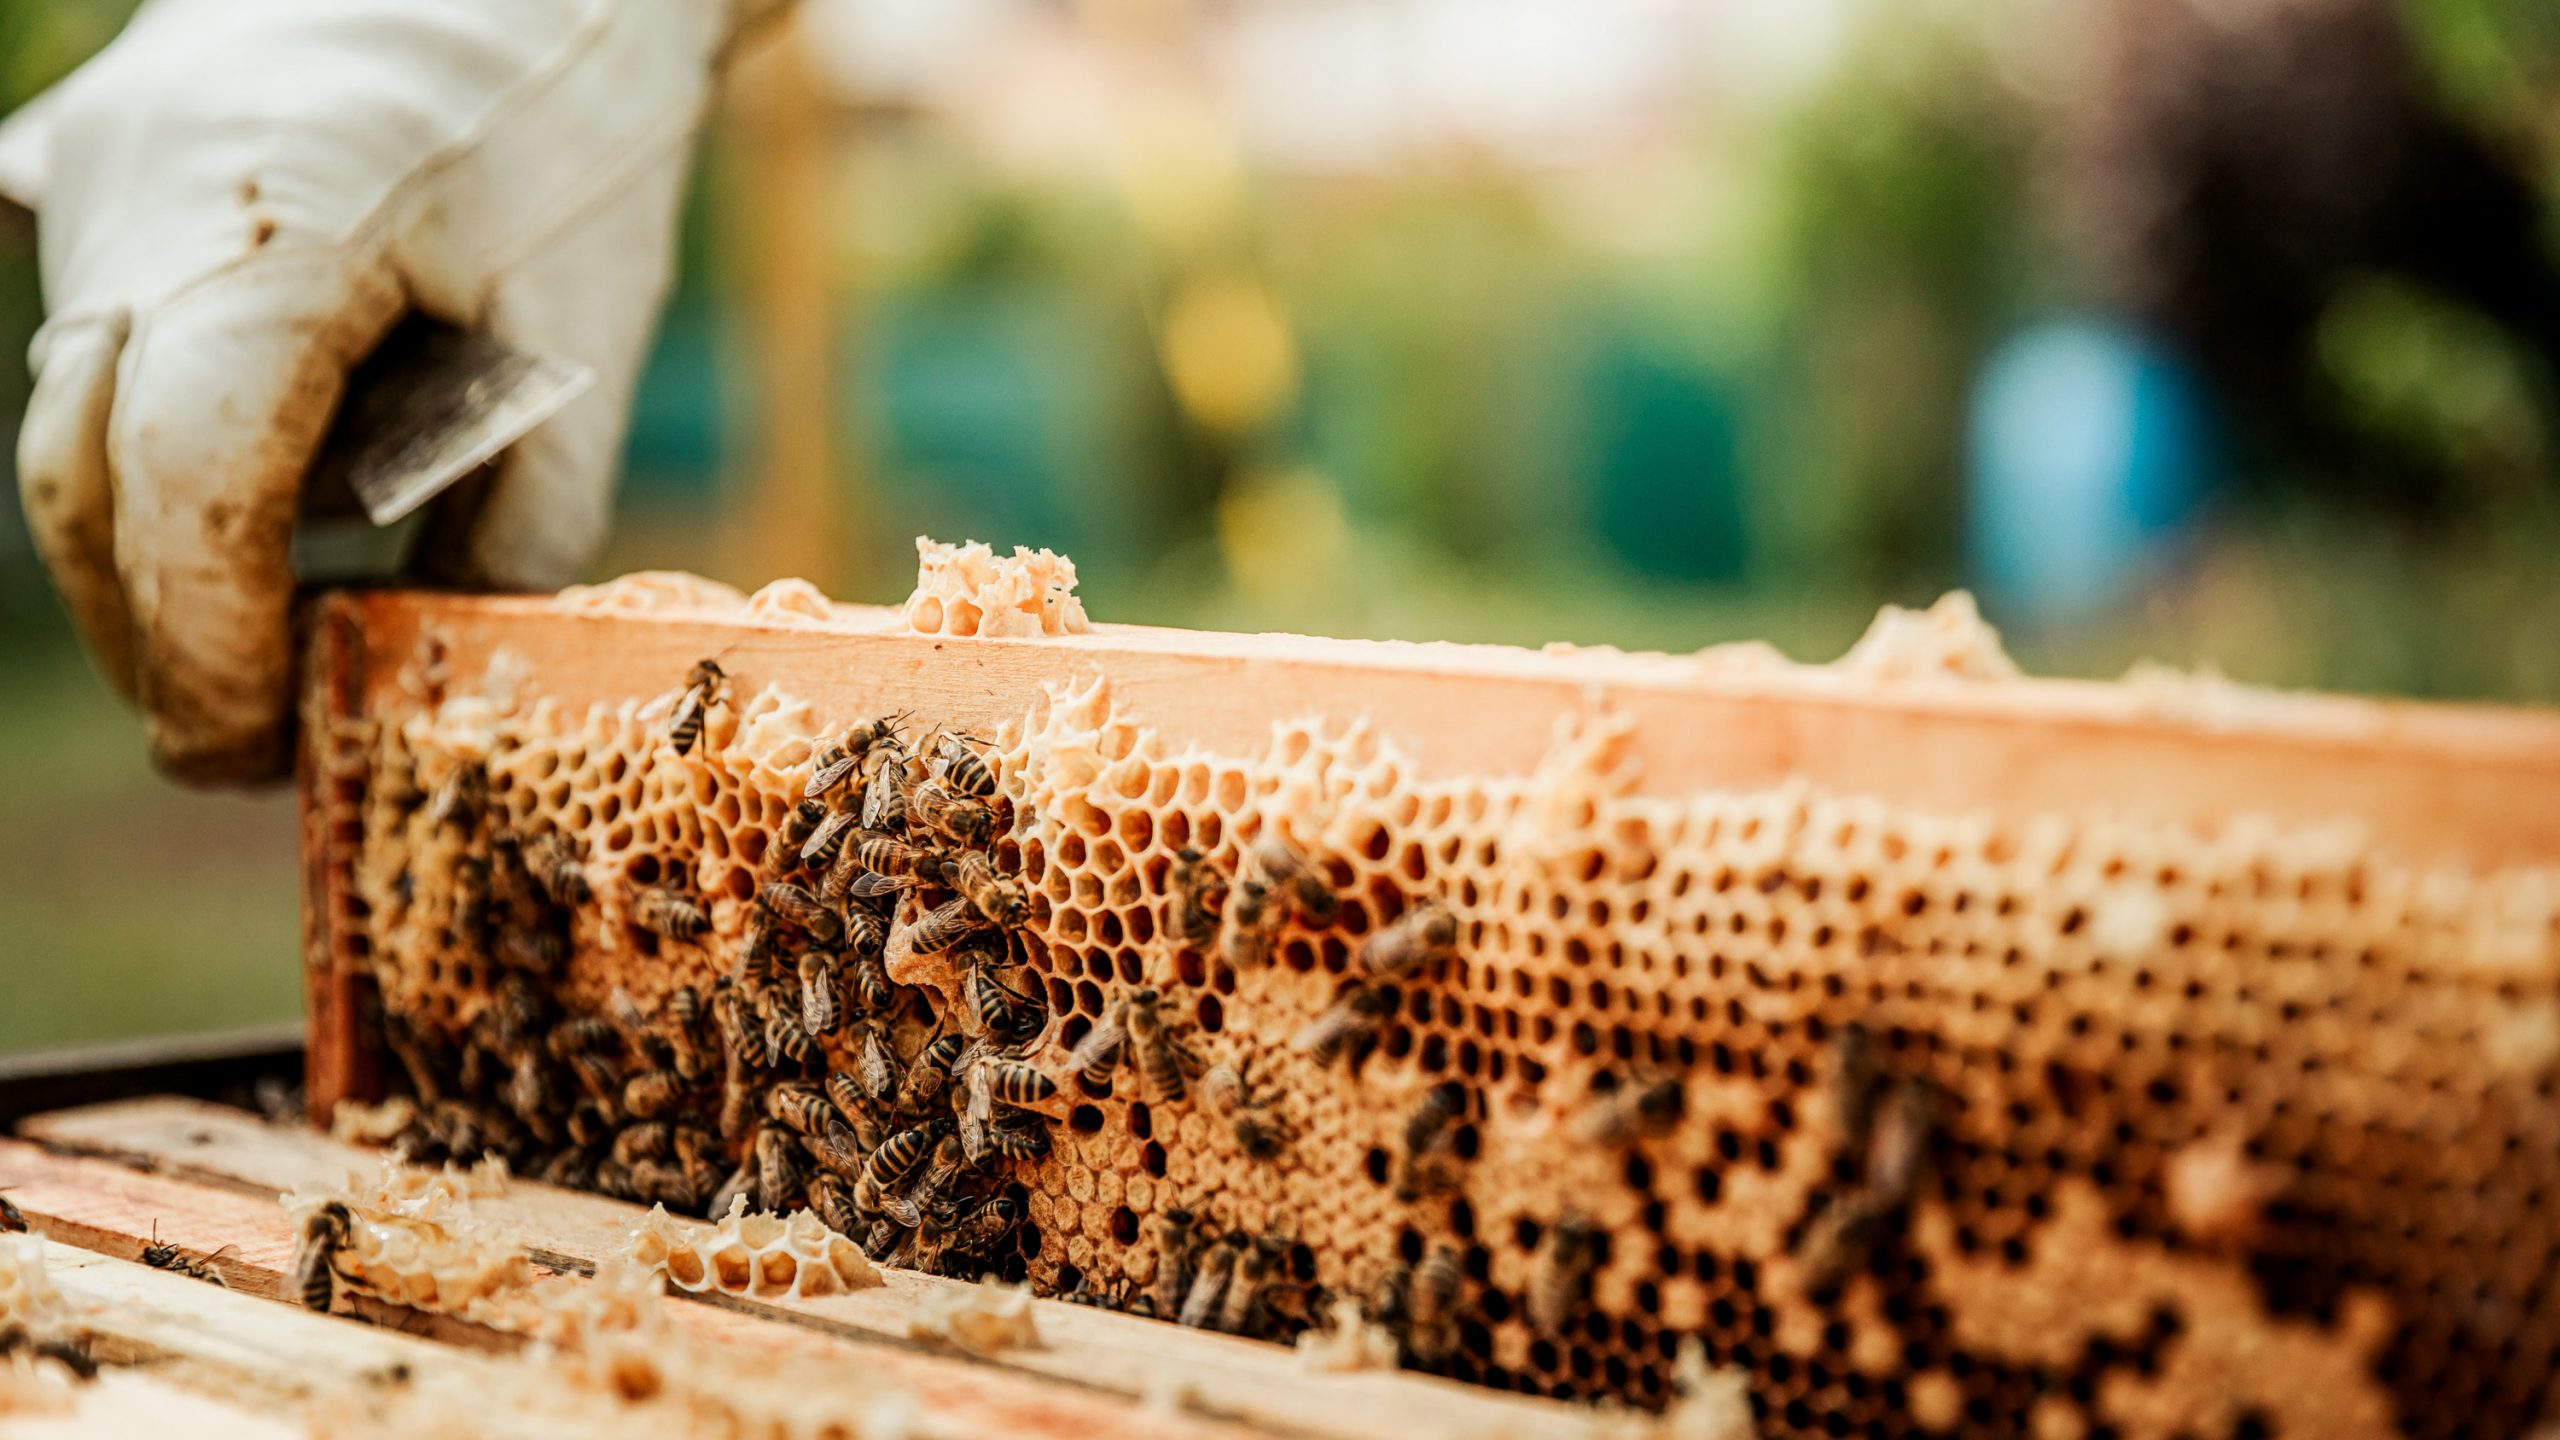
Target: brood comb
{"points": [[1949, 1053]]}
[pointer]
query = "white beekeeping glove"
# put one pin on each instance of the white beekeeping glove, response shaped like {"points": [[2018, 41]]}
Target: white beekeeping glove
{"points": [[235, 200]]}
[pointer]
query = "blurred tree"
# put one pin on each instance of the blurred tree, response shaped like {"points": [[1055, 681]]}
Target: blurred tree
{"points": [[1903, 246], [2239, 166]]}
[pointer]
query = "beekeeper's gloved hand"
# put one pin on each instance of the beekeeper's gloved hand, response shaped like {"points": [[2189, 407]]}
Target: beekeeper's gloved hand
{"points": [[234, 201]]}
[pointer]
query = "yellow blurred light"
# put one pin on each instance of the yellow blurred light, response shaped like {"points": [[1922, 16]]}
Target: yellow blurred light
{"points": [[1179, 171], [1228, 351], [1135, 18], [1285, 537]]}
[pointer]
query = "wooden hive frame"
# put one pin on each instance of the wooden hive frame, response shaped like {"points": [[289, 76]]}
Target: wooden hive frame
{"points": [[2093, 1248]]}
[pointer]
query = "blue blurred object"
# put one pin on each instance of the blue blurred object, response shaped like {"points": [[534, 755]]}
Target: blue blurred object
{"points": [[2088, 452], [1666, 473]]}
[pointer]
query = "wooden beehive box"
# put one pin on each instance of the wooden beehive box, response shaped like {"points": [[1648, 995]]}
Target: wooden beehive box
{"points": [[2044, 1058]]}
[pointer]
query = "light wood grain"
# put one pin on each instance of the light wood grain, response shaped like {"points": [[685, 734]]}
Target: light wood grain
{"points": [[1124, 1356], [276, 1358], [121, 1405], [105, 1206]]}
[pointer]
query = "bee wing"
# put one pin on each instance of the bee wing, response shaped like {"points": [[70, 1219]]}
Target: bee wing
{"points": [[973, 1121], [870, 886], [828, 829], [1320, 1031], [686, 708], [902, 1210], [1102, 1043], [1185, 1056], [829, 776]]}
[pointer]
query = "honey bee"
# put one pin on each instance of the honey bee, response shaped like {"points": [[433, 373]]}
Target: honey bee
{"points": [[1563, 1267], [801, 908], [315, 1254], [1900, 1122], [1162, 1057], [929, 1073], [841, 759], [699, 1155], [783, 1037], [832, 1198], [553, 862], [682, 1028], [938, 929], [646, 1140], [462, 798], [759, 959], [1431, 1306], [1173, 1263], [876, 1064], [845, 1093], [881, 733], [178, 1262], [954, 817], [800, 1105], [1001, 900], [1193, 896], [871, 978], [839, 1149], [820, 847], [1631, 1113], [651, 1094], [1849, 1082], [1422, 936], [702, 688], [832, 766], [792, 837], [981, 1229], [741, 1031], [1019, 1134], [669, 914], [1275, 869], [1350, 1021], [821, 992], [896, 1159], [884, 804], [778, 1175], [737, 1096], [1425, 1131], [1098, 1053], [1242, 1310], [1222, 1087], [870, 865], [590, 1124], [1250, 925], [990, 1000], [582, 1035], [658, 1182], [1898, 1148], [1015, 1083], [1209, 1283], [961, 767], [947, 1164]]}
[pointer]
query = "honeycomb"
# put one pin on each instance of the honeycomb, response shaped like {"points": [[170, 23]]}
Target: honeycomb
{"points": [[750, 1254], [1925, 1122]]}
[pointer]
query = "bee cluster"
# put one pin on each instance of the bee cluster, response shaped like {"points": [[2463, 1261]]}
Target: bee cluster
{"points": [[783, 1082]]}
